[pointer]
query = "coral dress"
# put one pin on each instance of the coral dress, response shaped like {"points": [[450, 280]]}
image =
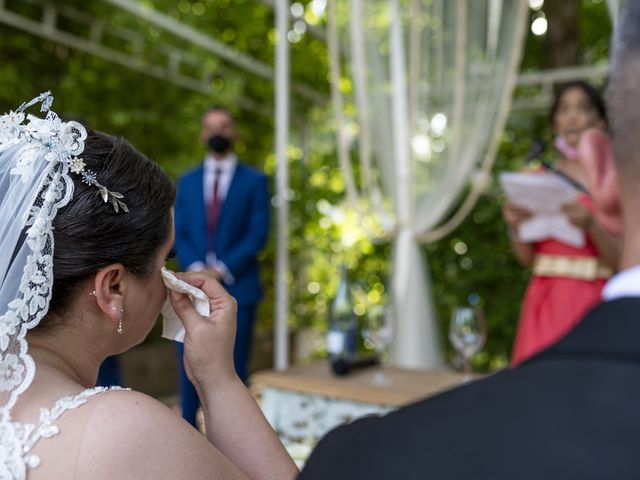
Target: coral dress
{"points": [[553, 305]]}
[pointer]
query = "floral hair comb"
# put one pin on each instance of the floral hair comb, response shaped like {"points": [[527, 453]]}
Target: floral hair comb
{"points": [[77, 166]]}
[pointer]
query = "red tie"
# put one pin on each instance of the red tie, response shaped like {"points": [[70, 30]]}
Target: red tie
{"points": [[214, 206]]}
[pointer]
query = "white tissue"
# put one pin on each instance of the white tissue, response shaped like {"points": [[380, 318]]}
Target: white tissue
{"points": [[172, 326]]}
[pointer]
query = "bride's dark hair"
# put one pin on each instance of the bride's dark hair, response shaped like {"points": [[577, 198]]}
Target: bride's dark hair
{"points": [[89, 234]]}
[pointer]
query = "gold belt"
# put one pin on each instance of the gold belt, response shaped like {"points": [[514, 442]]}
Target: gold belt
{"points": [[583, 268]]}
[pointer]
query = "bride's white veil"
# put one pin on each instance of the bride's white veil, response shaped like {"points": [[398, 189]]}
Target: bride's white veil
{"points": [[35, 157]]}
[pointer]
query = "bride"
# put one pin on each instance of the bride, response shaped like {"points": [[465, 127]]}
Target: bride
{"points": [[86, 223]]}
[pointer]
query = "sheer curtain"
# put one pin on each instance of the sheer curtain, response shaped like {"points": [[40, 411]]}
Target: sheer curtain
{"points": [[613, 7], [432, 83]]}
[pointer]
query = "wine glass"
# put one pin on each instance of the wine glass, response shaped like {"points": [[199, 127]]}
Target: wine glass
{"points": [[467, 333], [378, 333]]}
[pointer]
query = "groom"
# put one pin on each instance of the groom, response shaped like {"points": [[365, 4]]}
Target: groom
{"points": [[222, 221], [573, 411]]}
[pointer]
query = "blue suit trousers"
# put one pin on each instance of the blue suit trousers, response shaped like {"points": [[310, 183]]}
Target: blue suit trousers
{"points": [[110, 373]]}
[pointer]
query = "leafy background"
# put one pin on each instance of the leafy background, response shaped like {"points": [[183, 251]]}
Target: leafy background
{"points": [[162, 120]]}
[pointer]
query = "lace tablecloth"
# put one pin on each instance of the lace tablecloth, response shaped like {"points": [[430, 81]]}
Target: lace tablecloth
{"points": [[305, 402]]}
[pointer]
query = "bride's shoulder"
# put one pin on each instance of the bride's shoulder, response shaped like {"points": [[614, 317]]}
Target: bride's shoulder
{"points": [[130, 415], [128, 430], [132, 435], [128, 402]]}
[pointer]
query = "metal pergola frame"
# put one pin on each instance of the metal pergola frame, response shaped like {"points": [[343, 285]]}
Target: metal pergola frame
{"points": [[544, 81], [173, 57]]}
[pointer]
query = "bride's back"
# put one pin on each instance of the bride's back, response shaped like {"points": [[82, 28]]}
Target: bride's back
{"points": [[115, 434], [58, 455]]}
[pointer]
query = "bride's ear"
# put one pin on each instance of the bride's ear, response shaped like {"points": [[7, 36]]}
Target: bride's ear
{"points": [[109, 290], [596, 157]]}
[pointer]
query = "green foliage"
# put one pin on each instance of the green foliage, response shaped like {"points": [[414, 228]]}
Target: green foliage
{"points": [[163, 121]]}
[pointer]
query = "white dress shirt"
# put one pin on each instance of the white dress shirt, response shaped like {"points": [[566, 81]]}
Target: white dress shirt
{"points": [[623, 284], [226, 167]]}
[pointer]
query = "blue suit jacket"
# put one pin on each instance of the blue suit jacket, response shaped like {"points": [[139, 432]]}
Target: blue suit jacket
{"points": [[241, 231]]}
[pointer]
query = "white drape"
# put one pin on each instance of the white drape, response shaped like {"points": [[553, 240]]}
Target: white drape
{"points": [[613, 6], [433, 82]]}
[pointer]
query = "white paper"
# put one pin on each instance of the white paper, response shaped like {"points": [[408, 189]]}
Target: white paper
{"points": [[172, 326], [543, 195]]}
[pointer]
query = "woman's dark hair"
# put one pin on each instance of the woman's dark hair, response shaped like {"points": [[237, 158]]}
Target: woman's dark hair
{"points": [[592, 93], [89, 234]]}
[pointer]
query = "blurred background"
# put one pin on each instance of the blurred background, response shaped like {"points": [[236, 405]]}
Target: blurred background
{"points": [[149, 78]]}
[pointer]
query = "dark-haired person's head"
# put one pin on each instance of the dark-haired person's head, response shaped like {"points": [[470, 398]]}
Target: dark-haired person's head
{"points": [[97, 248], [612, 162], [577, 107]]}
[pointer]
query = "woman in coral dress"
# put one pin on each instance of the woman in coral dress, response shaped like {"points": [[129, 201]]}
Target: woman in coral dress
{"points": [[566, 281]]}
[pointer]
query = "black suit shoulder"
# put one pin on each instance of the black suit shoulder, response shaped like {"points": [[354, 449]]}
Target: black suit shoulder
{"points": [[403, 444], [570, 412]]}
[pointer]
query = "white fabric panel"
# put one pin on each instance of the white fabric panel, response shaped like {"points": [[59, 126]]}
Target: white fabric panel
{"points": [[433, 82]]}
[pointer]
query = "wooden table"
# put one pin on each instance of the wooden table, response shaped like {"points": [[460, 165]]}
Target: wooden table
{"points": [[305, 402], [405, 386]]}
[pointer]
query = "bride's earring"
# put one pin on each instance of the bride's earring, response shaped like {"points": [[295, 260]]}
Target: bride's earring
{"points": [[120, 329]]}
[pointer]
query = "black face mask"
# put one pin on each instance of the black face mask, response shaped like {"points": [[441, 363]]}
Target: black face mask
{"points": [[219, 143]]}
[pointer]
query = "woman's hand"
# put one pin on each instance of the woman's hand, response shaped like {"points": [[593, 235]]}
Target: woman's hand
{"points": [[208, 342], [578, 214], [514, 215], [234, 423]]}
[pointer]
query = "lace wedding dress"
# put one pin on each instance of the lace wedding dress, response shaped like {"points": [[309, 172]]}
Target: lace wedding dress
{"points": [[17, 439]]}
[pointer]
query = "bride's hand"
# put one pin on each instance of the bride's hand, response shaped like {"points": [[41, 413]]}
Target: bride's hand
{"points": [[209, 341]]}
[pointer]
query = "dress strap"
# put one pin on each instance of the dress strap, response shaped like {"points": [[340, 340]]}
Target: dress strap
{"points": [[32, 433]]}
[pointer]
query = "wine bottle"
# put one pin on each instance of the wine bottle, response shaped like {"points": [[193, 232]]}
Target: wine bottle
{"points": [[343, 328]]}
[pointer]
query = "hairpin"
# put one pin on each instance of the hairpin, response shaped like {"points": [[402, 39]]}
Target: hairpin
{"points": [[77, 166]]}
